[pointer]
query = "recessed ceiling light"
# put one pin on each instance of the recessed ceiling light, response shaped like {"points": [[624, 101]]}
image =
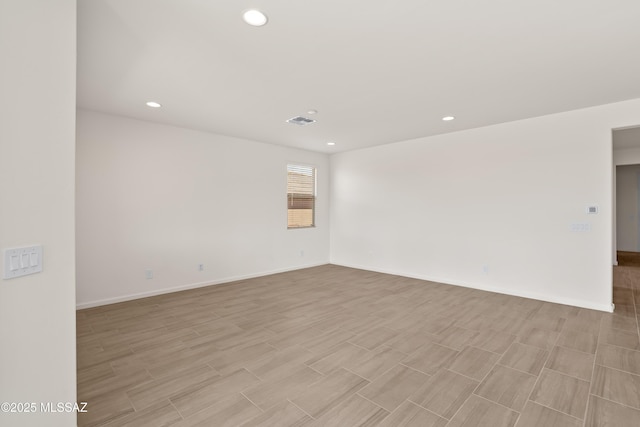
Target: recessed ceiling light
{"points": [[448, 118], [331, 143], [153, 104], [312, 112], [254, 17]]}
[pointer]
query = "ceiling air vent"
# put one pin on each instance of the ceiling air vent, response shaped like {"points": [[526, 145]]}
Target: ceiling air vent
{"points": [[300, 121]]}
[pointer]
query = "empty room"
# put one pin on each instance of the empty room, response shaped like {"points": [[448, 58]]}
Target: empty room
{"points": [[277, 213]]}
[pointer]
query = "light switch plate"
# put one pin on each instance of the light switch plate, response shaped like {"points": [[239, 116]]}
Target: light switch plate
{"points": [[22, 261]]}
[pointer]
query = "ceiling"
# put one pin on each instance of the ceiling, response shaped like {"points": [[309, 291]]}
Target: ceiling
{"points": [[376, 71]]}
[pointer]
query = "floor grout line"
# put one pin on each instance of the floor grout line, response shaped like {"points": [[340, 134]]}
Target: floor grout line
{"points": [[252, 402], [555, 410], [615, 401], [622, 371], [299, 407], [369, 400]]}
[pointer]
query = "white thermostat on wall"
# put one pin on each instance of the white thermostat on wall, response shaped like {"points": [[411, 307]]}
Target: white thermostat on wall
{"points": [[592, 209], [22, 261]]}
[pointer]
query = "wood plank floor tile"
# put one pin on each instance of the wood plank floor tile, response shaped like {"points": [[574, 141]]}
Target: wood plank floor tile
{"points": [[479, 412], [507, 387], [89, 376], [145, 395], [228, 361], [344, 355], [114, 384], [375, 363], [494, 341], [615, 321], [621, 338], [618, 386], [230, 411], [293, 337], [206, 393], [550, 323], [604, 413], [392, 388], [354, 412], [430, 358], [107, 356], [524, 358], [285, 414], [411, 340], [328, 392], [474, 362], [360, 324], [580, 325], [571, 362], [374, 337], [411, 415], [619, 358], [327, 340], [160, 414], [456, 337], [543, 338], [585, 342], [535, 415], [168, 366], [444, 393], [562, 393], [241, 352], [277, 390], [436, 324], [279, 363], [108, 408]]}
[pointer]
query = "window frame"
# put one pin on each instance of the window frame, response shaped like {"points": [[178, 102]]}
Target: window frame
{"points": [[314, 197]]}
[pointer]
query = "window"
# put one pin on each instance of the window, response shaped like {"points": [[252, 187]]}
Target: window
{"points": [[301, 196]]}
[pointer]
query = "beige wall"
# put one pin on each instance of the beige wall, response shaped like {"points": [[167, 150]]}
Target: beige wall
{"points": [[37, 144]]}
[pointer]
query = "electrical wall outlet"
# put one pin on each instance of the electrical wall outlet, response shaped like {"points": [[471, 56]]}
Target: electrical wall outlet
{"points": [[149, 274]]}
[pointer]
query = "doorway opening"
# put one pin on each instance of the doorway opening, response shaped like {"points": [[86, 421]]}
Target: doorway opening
{"points": [[626, 194]]}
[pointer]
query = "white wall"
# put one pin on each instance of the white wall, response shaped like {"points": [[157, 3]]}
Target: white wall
{"points": [[164, 198], [627, 208], [488, 208], [626, 156], [37, 125], [621, 156]]}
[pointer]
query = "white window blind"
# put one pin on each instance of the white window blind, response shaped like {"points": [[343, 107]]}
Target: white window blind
{"points": [[301, 196]]}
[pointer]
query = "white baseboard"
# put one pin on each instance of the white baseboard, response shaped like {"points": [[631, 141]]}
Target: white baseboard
{"points": [[135, 296], [532, 295]]}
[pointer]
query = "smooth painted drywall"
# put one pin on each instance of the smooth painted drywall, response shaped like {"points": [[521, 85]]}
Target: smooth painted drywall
{"points": [[489, 208], [627, 208], [37, 144], [621, 156], [164, 198], [628, 156]]}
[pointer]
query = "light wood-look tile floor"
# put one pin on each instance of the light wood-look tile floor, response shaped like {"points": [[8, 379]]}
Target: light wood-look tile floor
{"points": [[334, 346]]}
